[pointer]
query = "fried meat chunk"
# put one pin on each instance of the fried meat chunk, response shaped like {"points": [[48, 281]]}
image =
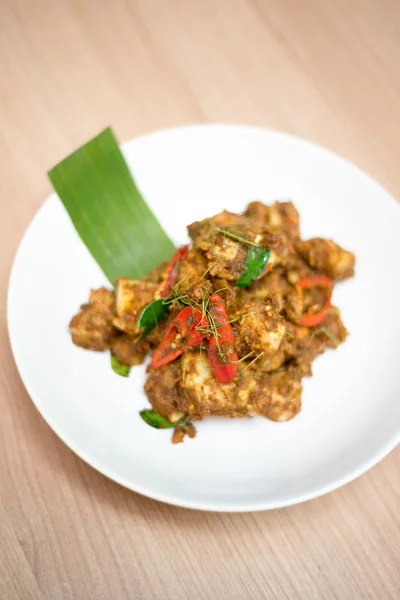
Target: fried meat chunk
{"points": [[197, 394], [263, 323], [92, 327], [327, 257], [191, 279], [280, 217], [203, 395], [163, 389], [129, 351], [262, 328], [275, 395]]}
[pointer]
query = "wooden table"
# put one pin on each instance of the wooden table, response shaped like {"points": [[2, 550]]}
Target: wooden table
{"points": [[325, 70]]}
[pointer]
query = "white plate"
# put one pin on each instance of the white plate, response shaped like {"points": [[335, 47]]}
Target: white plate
{"points": [[351, 410]]}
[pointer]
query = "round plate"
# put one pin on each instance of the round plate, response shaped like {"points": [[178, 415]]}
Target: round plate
{"points": [[351, 412]]}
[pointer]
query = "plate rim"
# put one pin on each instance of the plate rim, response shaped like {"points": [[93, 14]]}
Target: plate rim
{"points": [[315, 492]]}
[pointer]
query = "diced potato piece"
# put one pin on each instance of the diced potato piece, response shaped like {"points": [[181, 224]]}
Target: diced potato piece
{"points": [[132, 295], [131, 298]]}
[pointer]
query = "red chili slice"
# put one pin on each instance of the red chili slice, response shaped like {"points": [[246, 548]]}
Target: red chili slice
{"points": [[183, 332], [307, 283], [172, 271], [221, 352]]}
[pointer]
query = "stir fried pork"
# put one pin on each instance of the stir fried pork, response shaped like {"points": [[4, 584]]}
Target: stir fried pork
{"points": [[274, 326], [327, 257], [92, 327]]}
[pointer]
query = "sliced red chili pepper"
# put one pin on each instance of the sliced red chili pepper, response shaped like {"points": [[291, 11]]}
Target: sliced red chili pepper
{"points": [[165, 351], [221, 348], [307, 283], [183, 332], [190, 321], [172, 271], [317, 280], [315, 319]]}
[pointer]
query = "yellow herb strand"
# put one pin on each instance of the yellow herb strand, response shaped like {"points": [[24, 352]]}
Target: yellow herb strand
{"points": [[243, 358], [253, 361], [238, 238], [209, 268]]}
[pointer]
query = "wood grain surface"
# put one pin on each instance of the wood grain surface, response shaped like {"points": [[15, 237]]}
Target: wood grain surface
{"points": [[325, 70]]}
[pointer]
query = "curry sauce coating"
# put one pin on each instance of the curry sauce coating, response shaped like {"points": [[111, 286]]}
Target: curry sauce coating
{"points": [[275, 395], [274, 350], [131, 296], [327, 257], [189, 389], [263, 330], [203, 395], [279, 217], [163, 389], [129, 351], [221, 239], [191, 276], [92, 328]]}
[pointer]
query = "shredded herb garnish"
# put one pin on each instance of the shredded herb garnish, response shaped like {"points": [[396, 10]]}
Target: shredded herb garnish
{"points": [[253, 361], [329, 335], [238, 238]]}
